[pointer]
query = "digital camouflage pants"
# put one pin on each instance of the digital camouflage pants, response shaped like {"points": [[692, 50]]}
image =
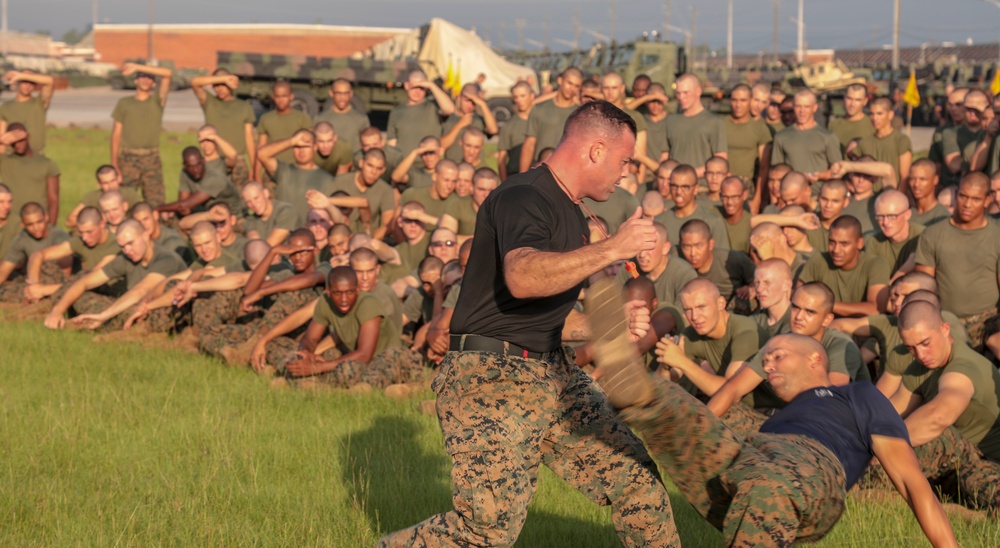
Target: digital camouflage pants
{"points": [[762, 490], [503, 416], [143, 172], [12, 291], [393, 366], [948, 457], [213, 338]]}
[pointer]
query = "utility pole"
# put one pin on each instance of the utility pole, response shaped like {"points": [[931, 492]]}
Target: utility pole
{"points": [[612, 21], [666, 21], [93, 15], [801, 55], [895, 36], [729, 40], [775, 51], [152, 13], [521, 23], [694, 36]]}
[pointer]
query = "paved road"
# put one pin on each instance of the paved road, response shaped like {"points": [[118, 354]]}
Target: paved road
{"points": [[91, 107]]}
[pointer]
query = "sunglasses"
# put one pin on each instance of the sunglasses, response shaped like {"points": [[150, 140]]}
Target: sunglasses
{"points": [[410, 221], [446, 243]]}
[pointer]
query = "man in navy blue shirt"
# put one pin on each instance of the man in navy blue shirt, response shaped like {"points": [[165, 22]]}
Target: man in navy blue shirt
{"points": [[788, 482]]}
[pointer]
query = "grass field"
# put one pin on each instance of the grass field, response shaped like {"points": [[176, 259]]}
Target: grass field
{"points": [[117, 444]]}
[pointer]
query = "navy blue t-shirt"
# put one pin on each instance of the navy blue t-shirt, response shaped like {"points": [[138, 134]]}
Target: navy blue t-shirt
{"points": [[844, 419]]}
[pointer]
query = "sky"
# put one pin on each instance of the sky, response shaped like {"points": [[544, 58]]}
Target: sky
{"points": [[829, 24]]}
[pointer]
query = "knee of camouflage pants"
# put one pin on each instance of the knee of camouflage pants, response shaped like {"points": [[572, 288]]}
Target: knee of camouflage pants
{"points": [[143, 172], [221, 307], [240, 174]]}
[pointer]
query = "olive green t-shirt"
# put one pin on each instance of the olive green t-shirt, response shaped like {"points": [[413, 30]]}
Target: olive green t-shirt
{"points": [[545, 124], [379, 195], [279, 127], [282, 216], [164, 262], [31, 113], [783, 325], [637, 117], [411, 254], [419, 177], [864, 211], [739, 233], [393, 156], [171, 240], [340, 155], [512, 139], [391, 305], [848, 286], [90, 256], [672, 280], [936, 155], [740, 342], [711, 216], [729, 270], [8, 232], [775, 127], [894, 253], [978, 421], [963, 141], [408, 124], [230, 119], [932, 216], [347, 327], [418, 307], [293, 182], [423, 195], [692, 140], [451, 299], [454, 152], [216, 183], [619, 206], [237, 247], [461, 210], [848, 130], [225, 257], [807, 151], [141, 121], [348, 125], [886, 149], [24, 244], [744, 141], [656, 138], [93, 198], [893, 354], [966, 263], [27, 178]]}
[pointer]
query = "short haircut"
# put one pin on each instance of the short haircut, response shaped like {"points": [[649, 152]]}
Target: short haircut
{"points": [[599, 117], [684, 170], [430, 264], [369, 131], [920, 279], [571, 71], [821, 290], [741, 87], [324, 127], [701, 284], [141, 207], [696, 227], [255, 250], [131, 225], [339, 229], [300, 233], [922, 295], [341, 81], [363, 254], [927, 164], [975, 179], [191, 152], [522, 85], [833, 184], [919, 313], [883, 102], [847, 222], [857, 87], [4, 189], [202, 227], [89, 216], [341, 274], [445, 164], [31, 208], [104, 170], [375, 153], [486, 173], [717, 160], [641, 286]]}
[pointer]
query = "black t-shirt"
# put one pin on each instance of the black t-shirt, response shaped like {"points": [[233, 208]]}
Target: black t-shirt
{"points": [[842, 418], [527, 210]]}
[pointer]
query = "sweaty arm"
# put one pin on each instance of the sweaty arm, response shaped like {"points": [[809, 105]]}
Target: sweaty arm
{"points": [[735, 387], [290, 323], [527, 152], [36, 259], [902, 467], [123, 303], [926, 422], [869, 307]]}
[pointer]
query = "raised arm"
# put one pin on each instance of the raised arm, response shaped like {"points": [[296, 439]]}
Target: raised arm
{"points": [[44, 82], [199, 83]]}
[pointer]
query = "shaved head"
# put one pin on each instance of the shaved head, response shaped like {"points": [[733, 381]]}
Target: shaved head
{"points": [[921, 280], [799, 344], [892, 198], [920, 313], [701, 285]]}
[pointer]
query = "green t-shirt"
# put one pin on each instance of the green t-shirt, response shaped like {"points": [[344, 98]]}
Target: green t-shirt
{"points": [[393, 156], [963, 141], [419, 177], [169, 239], [894, 253], [380, 196], [739, 233], [783, 325], [31, 113], [418, 307], [512, 139], [744, 141], [93, 198], [451, 299], [886, 149], [293, 182], [545, 124], [775, 127], [283, 216], [848, 286], [230, 119], [740, 342], [454, 152], [340, 155], [672, 280], [408, 124], [692, 140], [893, 354], [936, 155], [848, 130], [226, 257], [141, 121], [619, 206], [807, 151], [278, 127], [462, 211], [237, 247], [431, 205], [90, 256], [25, 244], [729, 270], [411, 254], [391, 305], [864, 211], [8, 232], [164, 262], [978, 421], [932, 216], [348, 125], [347, 327], [216, 183], [656, 138], [966, 263], [711, 216], [27, 177]]}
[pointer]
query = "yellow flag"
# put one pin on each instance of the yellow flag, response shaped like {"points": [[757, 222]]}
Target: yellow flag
{"points": [[995, 86], [450, 76], [457, 82], [912, 96]]}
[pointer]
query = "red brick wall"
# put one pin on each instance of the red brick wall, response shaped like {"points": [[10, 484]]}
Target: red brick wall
{"points": [[198, 49]]}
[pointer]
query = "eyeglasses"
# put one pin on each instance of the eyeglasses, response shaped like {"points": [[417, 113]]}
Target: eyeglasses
{"points": [[887, 217], [446, 243]]}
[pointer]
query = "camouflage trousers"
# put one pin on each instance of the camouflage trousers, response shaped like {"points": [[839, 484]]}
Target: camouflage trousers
{"points": [[93, 303], [143, 172], [974, 326], [763, 490], [950, 459], [221, 307], [241, 173], [392, 366], [743, 420], [501, 417], [12, 291], [213, 338]]}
